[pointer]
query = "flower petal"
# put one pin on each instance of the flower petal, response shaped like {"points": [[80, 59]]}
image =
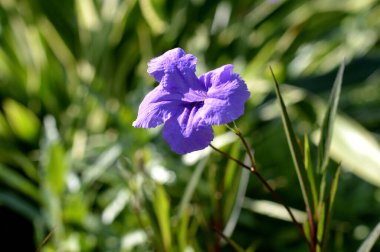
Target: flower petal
{"points": [[158, 65], [158, 106], [199, 138], [182, 80], [226, 96]]}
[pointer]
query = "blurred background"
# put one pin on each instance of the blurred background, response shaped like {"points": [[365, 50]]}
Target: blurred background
{"points": [[75, 172]]}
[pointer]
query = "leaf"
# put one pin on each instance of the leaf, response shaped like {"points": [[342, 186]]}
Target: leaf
{"points": [[162, 209], [14, 180], [310, 170], [152, 17], [20, 205], [328, 121], [15, 157], [56, 168], [23, 122], [329, 202], [182, 232], [321, 222], [357, 149], [273, 210], [371, 240], [294, 149]]}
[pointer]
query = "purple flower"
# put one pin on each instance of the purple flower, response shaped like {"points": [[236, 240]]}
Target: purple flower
{"points": [[187, 105]]}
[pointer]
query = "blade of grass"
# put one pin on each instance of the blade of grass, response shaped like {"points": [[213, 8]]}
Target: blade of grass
{"points": [[14, 180], [329, 204], [294, 149], [298, 164], [18, 204], [310, 170], [328, 121]]}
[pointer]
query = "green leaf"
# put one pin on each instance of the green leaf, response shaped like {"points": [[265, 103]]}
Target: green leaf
{"points": [[321, 224], [149, 208], [14, 180], [357, 149], [329, 202], [56, 168], [328, 121], [23, 122], [294, 150], [17, 158], [371, 240], [310, 170], [152, 17], [20, 205], [182, 233], [162, 209]]}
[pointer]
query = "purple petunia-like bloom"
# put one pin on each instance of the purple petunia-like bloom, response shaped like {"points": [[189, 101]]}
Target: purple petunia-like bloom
{"points": [[187, 105]]}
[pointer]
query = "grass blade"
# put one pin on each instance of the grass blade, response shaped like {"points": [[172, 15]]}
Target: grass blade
{"points": [[328, 121], [16, 181], [294, 149], [310, 170], [329, 204]]}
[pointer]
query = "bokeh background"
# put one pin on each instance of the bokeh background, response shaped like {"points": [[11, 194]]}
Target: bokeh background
{"points": [[73, 169]]}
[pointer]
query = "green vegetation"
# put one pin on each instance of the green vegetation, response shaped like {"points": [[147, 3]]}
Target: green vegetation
{"points": [[72, 74]]}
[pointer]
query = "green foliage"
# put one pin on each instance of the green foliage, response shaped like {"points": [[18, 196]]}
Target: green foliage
{"points": [[72, 74]]}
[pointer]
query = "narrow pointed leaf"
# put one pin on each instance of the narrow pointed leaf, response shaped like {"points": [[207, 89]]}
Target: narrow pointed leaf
{"points": [[20, 184], [294, 149], [310, 170], [328, 121], [182, 231], [329, 201], [321, 223]]}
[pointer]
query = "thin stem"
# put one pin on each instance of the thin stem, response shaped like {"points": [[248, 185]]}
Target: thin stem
{"points": [[254, 171], [44, 241], [230, 157], [246, 146], [281, 201]]}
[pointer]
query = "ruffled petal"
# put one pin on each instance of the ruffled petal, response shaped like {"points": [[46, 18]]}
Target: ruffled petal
{"points": [[186, 118], [157, 66], [158, 106], [199, 138], [226, 96], [184, 82]]}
